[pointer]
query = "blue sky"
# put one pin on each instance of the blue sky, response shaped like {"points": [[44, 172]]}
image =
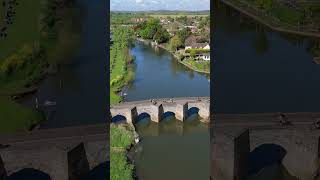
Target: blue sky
{"points": [[147, 5]]}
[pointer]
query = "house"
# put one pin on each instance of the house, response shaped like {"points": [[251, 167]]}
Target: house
{"points": [[196, 45], [205, 56], [191, 43]]}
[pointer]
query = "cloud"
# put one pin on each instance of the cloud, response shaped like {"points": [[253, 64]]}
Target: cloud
{"points": [[139, 1], [155, 2]]}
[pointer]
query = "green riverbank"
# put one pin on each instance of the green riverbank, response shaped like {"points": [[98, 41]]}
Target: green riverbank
{"points": [[201, 67], [121, 138], [294, 18], [121, 62], [40, 38]]}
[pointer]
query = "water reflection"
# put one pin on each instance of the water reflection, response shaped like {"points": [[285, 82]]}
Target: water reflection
{"points": [[29, 173], [159, 75], [258, 70]]}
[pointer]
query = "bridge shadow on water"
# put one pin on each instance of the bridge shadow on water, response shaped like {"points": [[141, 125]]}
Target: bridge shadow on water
{"points": [[29, 173], [167, 116], [193, 114], [100, 172], [118, 119], [264, 156]]}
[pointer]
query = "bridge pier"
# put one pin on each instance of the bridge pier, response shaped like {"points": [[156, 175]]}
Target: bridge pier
{"points": [[3, 172], [78, 165], [181, 111], [204, 110], [296, 149], [156, 112], [229, 155]]}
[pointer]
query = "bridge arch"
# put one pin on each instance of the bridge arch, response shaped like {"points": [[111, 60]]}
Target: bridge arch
{"points": [[101, 171], [118, 119], [29, 173], [265, 155], [168, 115], [143, 118]]}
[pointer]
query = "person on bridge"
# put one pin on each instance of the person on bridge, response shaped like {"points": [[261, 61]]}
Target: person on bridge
{"points": [[283, 119]]}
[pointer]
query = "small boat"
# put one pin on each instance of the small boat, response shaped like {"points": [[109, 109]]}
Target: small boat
{"points": [[49, 103]]}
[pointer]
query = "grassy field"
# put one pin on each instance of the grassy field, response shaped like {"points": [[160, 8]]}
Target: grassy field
{"points": [[120, 137], [24, 30], [177, 15], [15, 117]]}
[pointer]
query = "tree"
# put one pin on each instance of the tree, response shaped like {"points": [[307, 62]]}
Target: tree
{"points": [[150, 29], [193, 53], [184, 33], [161, 36], [175, 43], [265, 4]]}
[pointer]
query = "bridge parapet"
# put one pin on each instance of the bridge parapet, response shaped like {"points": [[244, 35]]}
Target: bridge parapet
{"points": [[63, 153]]}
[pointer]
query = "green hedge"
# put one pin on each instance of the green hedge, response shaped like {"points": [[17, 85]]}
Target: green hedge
{"points": [[198, 50]]}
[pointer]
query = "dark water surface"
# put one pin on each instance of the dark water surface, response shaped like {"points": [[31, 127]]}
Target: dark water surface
{"points": [[159, 75], [79, 89], [257, 70], [173, 150]]}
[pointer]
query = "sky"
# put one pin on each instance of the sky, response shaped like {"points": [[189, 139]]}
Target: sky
{"points": [[148, 5]]}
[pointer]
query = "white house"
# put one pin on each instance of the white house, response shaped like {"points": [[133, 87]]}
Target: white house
{"points": [[206, 57], [207, 46]]}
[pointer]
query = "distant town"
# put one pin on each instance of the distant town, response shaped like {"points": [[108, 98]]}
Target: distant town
{"points": [[185, 35]]}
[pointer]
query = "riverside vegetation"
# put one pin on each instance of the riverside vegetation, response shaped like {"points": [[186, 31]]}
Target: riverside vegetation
{"points": [[291, 16], [121, 73], [121, 62], [121, 138], [37, 37]]}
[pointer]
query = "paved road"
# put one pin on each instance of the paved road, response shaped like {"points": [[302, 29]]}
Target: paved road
{"points": [[265, 120], [59, 136]]}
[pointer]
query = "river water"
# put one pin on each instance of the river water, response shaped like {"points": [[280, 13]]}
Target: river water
{"points": [[258, 70], [159, 75], [170, 149], [173, 150]]}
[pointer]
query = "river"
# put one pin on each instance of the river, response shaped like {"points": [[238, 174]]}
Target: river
{"points": [[258, 70], [170, 149], [159, 75]]}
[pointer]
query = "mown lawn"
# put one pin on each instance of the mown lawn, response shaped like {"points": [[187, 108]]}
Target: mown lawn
{"points": [[198, 65], [14, 117], [25, 27]]}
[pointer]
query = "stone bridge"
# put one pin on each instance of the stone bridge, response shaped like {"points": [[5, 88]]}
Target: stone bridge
{"points": [[243, 146], [70, 153], [156, 108]]}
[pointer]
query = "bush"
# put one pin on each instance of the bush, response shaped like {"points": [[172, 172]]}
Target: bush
{"points": [[198, 50]]}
